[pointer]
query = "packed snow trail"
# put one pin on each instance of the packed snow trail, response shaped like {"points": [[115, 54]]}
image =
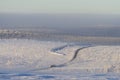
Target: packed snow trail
{"points": [[66, 63], [74, 56]]}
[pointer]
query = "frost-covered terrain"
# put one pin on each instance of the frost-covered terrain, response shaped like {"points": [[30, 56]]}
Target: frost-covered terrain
{"points": [[23, 56], [24, 59]]}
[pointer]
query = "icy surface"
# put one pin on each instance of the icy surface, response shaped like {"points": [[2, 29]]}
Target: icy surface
{"points": [[24, 59]]}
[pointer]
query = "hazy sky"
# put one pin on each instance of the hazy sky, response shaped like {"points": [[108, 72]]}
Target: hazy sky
{"points": [[60, 6]]}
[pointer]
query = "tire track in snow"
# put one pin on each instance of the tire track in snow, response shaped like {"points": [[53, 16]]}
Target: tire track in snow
{"points": [[77, 51], [73, 58], [63, 64]]}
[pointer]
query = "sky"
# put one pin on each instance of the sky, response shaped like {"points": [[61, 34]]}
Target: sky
{"points": [[60, 6]]}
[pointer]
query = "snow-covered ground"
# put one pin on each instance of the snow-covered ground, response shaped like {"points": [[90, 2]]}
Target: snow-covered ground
{"points": [[25, 59]]}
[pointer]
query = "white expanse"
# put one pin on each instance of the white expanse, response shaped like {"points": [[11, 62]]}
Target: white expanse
{"points": [[24, 59]]}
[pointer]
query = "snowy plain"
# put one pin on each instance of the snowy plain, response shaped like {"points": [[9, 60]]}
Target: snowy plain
{"points": [[27, 59]]}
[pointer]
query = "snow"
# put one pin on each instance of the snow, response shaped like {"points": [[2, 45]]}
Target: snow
{"points": [[18, 54], [98, 59], [25, 59]]}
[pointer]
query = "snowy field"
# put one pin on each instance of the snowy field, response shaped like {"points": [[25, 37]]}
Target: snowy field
{"points": [[26, 59]]}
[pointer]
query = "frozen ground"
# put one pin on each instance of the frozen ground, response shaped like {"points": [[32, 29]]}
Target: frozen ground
{"points": [[26, 59]]}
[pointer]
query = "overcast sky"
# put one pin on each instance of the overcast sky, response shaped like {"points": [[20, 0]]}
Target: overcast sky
{"points": [[60, 6]]}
